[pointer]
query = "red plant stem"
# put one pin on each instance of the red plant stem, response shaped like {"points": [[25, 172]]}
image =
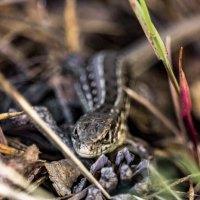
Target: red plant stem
{"points": [[191, 129], [186, 108]]}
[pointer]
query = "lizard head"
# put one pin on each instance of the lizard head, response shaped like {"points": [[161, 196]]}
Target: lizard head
{"points": [[96, 134]]}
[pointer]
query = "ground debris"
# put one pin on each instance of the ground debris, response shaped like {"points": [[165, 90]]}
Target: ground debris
{"points": [[63, 175], [25, 162]]}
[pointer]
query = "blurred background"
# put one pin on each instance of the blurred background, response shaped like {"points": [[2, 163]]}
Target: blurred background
{"points": [[37, 38]]}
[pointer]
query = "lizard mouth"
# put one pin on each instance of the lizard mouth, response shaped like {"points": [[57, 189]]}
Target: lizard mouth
{"points": [[92, 151], [86, 151]]}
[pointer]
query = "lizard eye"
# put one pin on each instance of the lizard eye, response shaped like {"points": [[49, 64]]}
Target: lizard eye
{"points": [[107, 137]]}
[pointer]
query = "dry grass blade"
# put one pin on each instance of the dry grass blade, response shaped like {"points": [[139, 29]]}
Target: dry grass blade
{"points": [[3, 139], [4, 149], [6, 2], [13, 176], [154, 111], [71, 27], [175, 97], [99, 26], [8, 50], [50, 134], [33, 30], [191, 192], [8, 192], [138, 198], [10, 115]]}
